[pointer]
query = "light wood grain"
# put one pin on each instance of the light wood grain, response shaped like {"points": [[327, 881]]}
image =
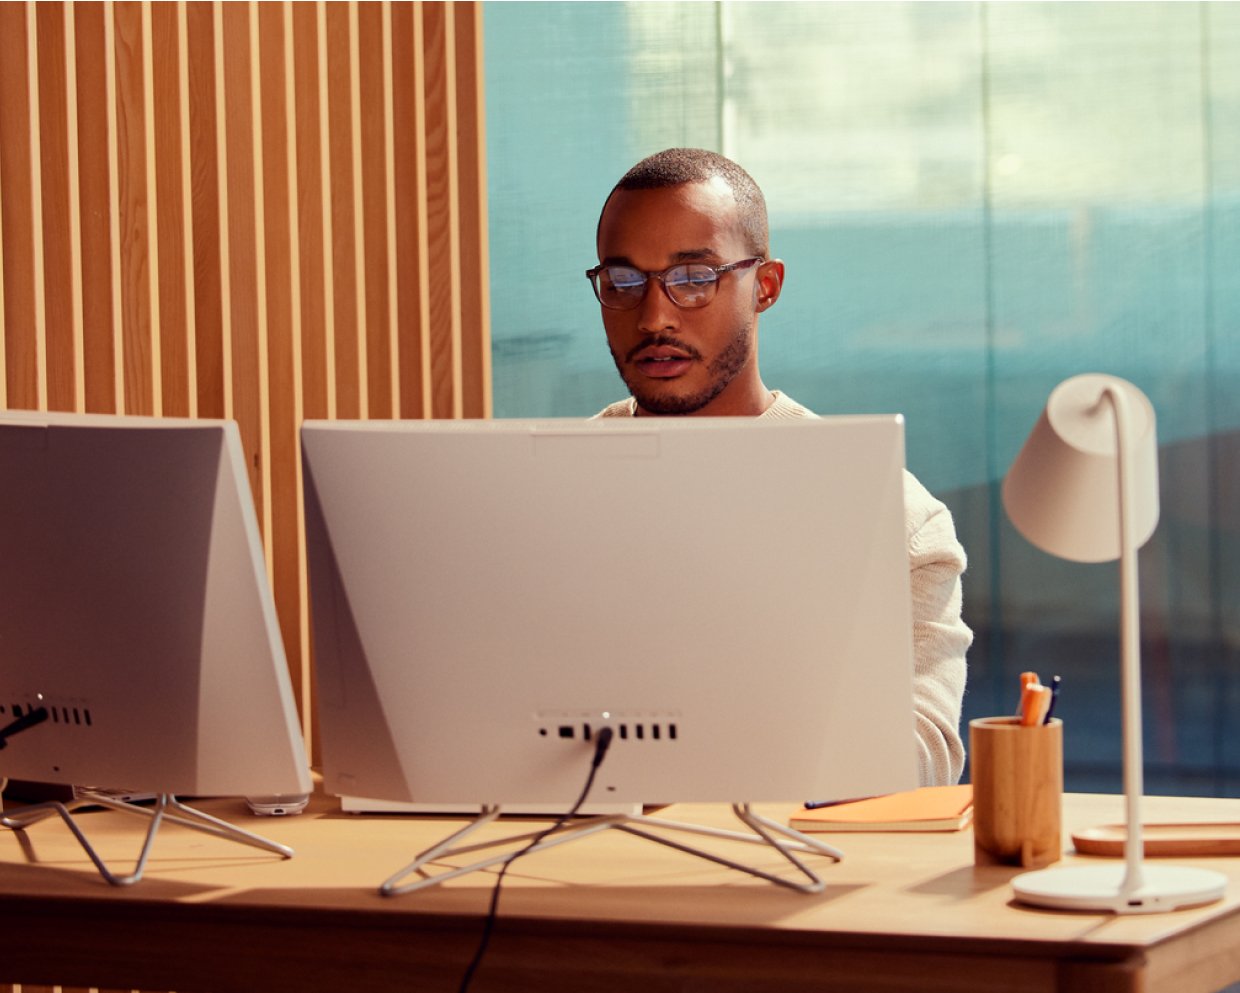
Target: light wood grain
{"points": [[413, 261], [170, 171], [474, 251], [1162, 840], [55, 213], [614, 912], [133, 205], [21, 326], [97, 206], [35, 97]]}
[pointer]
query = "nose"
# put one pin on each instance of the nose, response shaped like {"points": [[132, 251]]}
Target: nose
{"points": [[657, 313]]}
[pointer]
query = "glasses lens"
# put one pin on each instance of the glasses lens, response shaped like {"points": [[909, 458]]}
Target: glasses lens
{"points": [[691, 285], [620, 287]]}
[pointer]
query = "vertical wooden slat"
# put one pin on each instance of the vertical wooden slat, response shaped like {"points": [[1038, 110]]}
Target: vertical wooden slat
{"points": [[206, 212], [4, 375], [55, 208], [327, 215], [370, 198], [359, 230], [168, 171], [409, 109], [474, 251], [225, 211], [276, 180], [134, 205], [442, 219], [342, 175], [389, 210], [260, 347], [186, 186], [313, 211], [36, 206], [77, 316], [96, 176], [244, 220], [295, 586], [21, 365], [112, 93], [453, 206], [150, 213]]}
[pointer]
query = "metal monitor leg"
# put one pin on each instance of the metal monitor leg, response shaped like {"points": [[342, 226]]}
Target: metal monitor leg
{"points": [[184, 816], [639, 825]]}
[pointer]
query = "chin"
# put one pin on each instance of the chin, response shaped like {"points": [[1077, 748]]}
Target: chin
{"points": [[674, 402]]}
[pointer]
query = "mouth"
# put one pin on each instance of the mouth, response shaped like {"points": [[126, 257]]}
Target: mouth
{"points": [[663, 361]]}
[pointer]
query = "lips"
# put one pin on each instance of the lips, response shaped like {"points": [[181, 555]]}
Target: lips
{"points": [[662, 361]]}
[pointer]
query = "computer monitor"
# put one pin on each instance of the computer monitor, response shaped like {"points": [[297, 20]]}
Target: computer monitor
{"points": [[729, 595], [135, 609]]}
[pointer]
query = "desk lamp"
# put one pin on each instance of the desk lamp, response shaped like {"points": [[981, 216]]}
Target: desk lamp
{"points": [[1085, 488]]}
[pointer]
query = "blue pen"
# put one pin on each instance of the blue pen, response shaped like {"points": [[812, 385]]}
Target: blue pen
{"points": [[1054, 698]]}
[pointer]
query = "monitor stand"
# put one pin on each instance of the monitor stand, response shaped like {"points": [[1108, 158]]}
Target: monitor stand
{"points": [[190, 818], [636, 824]]}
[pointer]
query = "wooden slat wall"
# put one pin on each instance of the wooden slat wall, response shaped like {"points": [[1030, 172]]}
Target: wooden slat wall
{"points": [[231, 210]]}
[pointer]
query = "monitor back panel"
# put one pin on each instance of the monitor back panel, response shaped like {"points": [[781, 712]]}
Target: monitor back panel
{"points": [[730, 596], [134, 607]]}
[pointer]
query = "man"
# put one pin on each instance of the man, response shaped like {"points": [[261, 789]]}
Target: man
{"points": [[684, 273]]}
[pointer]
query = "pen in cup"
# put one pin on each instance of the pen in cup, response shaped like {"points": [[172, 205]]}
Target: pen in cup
{"points": [[1035, 702], [1050, 711]]}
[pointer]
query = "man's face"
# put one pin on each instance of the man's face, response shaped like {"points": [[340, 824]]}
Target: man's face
{"points": [[678, 360]]}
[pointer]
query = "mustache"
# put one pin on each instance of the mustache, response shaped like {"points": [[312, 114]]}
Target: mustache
{"points": [[663, 340]]}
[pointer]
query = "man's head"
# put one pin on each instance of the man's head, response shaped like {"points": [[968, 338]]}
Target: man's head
{"points": [[688, 206], [678, 166]]}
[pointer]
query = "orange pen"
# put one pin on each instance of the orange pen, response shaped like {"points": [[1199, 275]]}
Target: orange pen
{"points": [[1025, 679], [1034, 703]]}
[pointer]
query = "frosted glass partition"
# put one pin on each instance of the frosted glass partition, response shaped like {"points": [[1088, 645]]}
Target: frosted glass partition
{"points": [[974, 202]]}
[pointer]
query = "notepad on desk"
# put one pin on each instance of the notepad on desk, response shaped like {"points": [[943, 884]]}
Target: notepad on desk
{"points": [[929, 808]]}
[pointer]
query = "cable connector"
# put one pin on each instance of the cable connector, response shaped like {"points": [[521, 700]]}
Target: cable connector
{"points": [[602, 742]]}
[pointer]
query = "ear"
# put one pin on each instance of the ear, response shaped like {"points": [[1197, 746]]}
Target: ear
{"points": [[769, 283]]}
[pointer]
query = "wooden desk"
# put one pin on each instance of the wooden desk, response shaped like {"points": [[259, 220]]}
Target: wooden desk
{"points": [[902, 912]]}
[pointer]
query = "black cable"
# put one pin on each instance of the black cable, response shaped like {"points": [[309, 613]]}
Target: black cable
{"points": [[22, 723], [601, 744]]}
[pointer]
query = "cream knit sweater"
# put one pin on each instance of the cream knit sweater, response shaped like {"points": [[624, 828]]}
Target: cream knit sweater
{"points": [[940, 637]]}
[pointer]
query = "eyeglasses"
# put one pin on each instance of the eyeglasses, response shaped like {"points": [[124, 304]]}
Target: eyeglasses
{"points": [[690, 284]]}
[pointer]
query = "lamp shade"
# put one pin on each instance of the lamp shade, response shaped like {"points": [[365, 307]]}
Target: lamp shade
{"points": [[1061, 491]]}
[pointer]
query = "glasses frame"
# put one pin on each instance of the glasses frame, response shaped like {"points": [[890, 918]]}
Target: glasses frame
{"points": [[593, 274]]}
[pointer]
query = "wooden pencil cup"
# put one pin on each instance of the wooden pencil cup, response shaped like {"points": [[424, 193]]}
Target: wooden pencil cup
{"points": [[1017, 775]]}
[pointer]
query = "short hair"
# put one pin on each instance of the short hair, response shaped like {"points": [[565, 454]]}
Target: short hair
{"points": [[678, 166]]}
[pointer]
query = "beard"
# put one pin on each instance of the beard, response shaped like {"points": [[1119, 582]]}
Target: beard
{"points": [[723, 368]]}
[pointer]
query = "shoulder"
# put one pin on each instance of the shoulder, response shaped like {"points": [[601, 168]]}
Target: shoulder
{"points": [[785, 408], [928, 522], [621, 408]]}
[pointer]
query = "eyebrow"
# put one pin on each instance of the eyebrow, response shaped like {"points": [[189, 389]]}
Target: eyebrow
{"points": [[693, 255]]}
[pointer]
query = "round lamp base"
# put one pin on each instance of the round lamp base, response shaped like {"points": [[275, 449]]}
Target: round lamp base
{"points": [[1097, 888]]}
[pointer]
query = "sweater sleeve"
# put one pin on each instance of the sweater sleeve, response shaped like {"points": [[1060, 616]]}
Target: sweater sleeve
{"points": [[940, 637]]}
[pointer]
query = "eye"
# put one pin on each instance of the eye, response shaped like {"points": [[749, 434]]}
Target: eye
{"points": [[624, 279], [691, 276]]}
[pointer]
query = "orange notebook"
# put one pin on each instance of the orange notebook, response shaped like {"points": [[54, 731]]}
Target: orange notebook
{"points": [[929, 808]]}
